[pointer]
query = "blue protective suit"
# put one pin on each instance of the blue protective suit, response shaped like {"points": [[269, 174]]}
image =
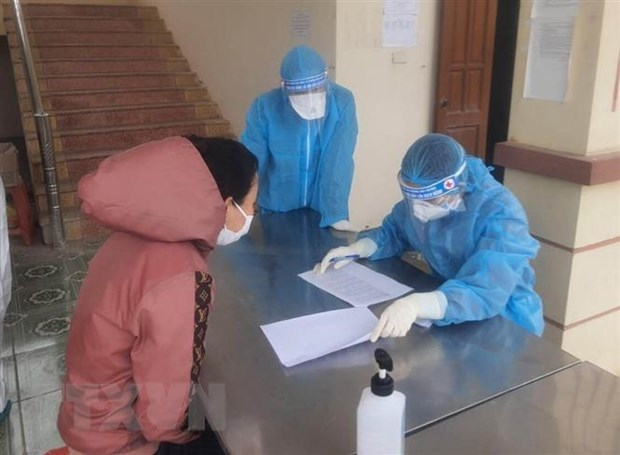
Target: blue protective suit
{"points": [[483, 252], [303, 163]]}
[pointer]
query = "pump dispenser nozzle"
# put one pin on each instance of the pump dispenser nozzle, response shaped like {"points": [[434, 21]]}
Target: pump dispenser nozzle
{"points": [[382, 383]]}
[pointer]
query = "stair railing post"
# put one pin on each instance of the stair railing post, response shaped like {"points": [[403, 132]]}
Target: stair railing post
{"points": [[44, 131]]}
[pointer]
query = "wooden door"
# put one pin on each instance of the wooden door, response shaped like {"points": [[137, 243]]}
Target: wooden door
{"points": [[465, 65]]}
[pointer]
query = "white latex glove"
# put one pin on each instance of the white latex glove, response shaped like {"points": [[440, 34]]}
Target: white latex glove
{"points": [[343, 225], [396, 319], [362, 248]]}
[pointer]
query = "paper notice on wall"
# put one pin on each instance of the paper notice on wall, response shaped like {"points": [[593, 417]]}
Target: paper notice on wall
{"points": [[300, 24], [400, 30], [555, 9], [401, 7], [548, 59]]}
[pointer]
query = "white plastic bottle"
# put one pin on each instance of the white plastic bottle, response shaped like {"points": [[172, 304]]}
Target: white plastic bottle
{"points": [[381, 413]]}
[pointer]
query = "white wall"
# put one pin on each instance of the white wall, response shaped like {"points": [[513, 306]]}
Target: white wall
{"points": [[562, 126], [394, 100], [605, 125], [235, 47]]}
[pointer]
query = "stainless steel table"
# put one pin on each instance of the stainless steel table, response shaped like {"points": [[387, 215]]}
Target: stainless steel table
{"points": [[259, 406], [576, 410]]}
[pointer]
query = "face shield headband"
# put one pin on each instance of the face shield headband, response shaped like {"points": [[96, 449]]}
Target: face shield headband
{"points": [[304, 85], [447, 185], [435, 201]]}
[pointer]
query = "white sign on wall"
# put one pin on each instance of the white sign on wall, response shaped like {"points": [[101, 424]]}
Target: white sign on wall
{"points": [[400, 23], [550, 48], [300, 24]]}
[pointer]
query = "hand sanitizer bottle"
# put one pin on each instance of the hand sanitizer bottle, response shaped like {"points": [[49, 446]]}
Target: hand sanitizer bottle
{"points": [[381, 413]]}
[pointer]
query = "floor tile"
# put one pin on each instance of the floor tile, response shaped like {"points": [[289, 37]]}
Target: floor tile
{"points": [[46, 282], [46, 296], [76, 279], [42, 329], [6, 344], [41, 371], [21, 255], [35, 273], [88, 256], [8, 365], [40, 423], [4, 437], [74, 262], [11, 441], [95, 244], [14, 303], [71, 254]]}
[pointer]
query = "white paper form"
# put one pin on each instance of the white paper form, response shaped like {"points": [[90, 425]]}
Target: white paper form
{"points": [[400, 30], [550, 48], [548, 61], [301, 24], [401, 7], [357, 285], [309, 337], [400, 23], [555, 9]]}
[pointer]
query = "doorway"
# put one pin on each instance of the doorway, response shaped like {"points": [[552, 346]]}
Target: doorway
{"points": [[476, 64]]}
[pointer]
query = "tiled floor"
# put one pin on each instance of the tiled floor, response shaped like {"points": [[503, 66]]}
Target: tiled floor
{"points": [[45, 287]]}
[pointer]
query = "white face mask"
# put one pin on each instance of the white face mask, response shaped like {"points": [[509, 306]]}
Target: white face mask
{"points": [[309, 106], [425, 211], [227, 236]]}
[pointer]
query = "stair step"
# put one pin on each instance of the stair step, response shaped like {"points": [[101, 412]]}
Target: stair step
{"points": [[105, 98], [145, 115], [104, 66], [72, 167], [67, 193], [63, 187], [111, 78], [79, 157], [69, 142], [84, 10], [89, 24], [80, 82], [81, 51], [68, 214], [76, 226], [95, 38], [126, 115]]}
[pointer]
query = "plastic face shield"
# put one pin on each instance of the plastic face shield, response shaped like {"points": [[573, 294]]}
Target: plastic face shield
{"points": [[310, 105], [308, 96], [437, 200]]}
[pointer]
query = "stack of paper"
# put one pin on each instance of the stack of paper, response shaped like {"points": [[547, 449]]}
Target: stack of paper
{"points": [[309, 337]]}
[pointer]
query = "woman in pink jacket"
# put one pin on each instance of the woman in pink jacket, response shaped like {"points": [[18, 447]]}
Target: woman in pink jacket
{"points": [[138, 330]]}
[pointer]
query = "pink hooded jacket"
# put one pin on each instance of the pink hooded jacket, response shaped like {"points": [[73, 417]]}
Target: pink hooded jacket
{"points": [[137, 333]]}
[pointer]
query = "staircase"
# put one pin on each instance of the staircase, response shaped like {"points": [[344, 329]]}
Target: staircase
{"points": [[111, 78]]}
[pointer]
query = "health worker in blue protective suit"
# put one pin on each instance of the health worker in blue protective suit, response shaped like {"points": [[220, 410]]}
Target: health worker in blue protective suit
{"points": [[303, 135], [471, 230]]}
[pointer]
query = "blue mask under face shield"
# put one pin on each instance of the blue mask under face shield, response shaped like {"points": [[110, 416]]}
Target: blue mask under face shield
{"points": [[437, 200]]}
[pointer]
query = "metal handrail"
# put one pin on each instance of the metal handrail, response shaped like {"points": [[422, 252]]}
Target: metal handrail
{"points": [[44, 131]]}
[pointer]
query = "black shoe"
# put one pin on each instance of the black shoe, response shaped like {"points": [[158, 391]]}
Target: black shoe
{"points": [[5, 413]]}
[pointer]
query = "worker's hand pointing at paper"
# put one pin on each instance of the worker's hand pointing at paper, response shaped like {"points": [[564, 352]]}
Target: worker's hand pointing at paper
{"points": [[396, 320], [341, 256]]}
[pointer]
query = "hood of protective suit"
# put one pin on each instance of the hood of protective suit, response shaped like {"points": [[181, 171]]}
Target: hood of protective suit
{"points": [[301, 62], [160, 190]]}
